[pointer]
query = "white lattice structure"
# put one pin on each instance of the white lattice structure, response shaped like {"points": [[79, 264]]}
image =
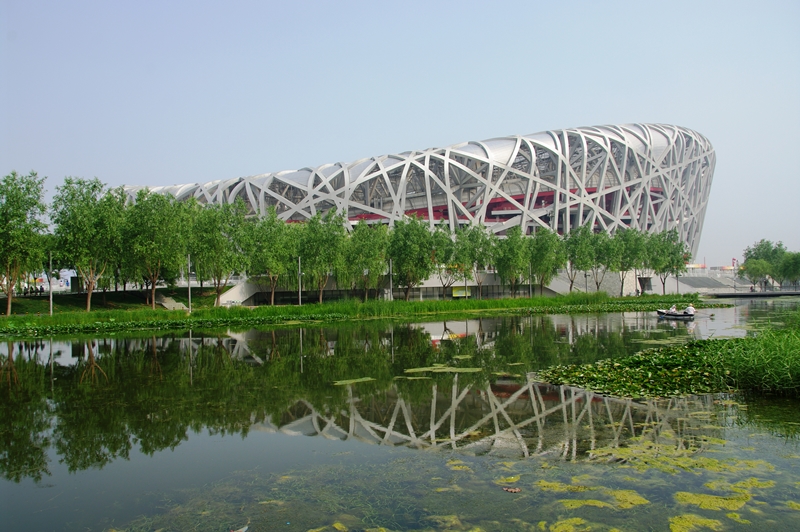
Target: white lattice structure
{"points": [[648, 176]]}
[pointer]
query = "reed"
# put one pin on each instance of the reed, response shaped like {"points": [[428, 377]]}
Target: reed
{"points": [[768, 362]]}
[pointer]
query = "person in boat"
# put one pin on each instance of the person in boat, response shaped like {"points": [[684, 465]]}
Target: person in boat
{"points": [[689, 310], [673, 308]]}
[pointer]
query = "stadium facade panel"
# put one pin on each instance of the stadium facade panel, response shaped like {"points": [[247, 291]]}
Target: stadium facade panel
{"points": [[651, 177]]}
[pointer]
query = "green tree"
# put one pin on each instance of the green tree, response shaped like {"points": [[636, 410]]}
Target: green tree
{"points": [[446, 257], [547, 253], [765, 250], [322, 247], [88, 222], [21, 206], [605, 255], [790, 267], [156, 239], [631, 253], [667, 255], [755, 271], [770, 252], [220, 236], [511, 259], [365, 255], [272, 251], [477, 245], [578, 244], [411, 250]]}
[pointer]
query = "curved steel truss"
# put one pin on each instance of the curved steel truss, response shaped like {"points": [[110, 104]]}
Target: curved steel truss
{"points": [[652, 177]]}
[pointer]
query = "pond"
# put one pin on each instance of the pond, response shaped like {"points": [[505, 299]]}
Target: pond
{"points": [[405, 426]]}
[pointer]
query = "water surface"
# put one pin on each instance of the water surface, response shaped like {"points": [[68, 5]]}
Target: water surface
{"points": [[212, 430]]}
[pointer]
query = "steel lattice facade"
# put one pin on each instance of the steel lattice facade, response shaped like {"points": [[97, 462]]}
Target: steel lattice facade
{"points": [[652, 177]]}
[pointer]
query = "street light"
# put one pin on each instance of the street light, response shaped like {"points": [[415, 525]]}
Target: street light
{"points": [[299, 283]]}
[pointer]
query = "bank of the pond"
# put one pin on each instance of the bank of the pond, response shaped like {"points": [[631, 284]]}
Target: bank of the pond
{"points": [[147, 319], [767, 362]]}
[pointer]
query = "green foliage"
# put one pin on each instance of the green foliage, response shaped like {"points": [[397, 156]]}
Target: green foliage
{"points": [[511, 259], [790, 267], [272, 251], [477, 246], [139, 319], [547, 254], [220, 238], [448, 256], [21, 229], [771, 255], [667, 255], [755, 270], [155, 233], [88, 222], [410, 248], [578, 245], [768, 362], [322, 246], [631, 252], [605, 256], [365, 255]]}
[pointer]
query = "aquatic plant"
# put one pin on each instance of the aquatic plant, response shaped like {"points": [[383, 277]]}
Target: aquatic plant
{"points": [[767, 362], [70, 323], [692, 522]]}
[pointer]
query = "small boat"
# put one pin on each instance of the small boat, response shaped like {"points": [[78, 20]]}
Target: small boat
{"points": [[668, 315]]}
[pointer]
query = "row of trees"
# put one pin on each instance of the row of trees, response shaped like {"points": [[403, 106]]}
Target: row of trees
{"points": [[765, 260], [109, 242]]}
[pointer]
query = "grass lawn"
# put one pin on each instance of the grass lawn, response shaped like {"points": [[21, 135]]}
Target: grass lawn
{"points": [[130, 300]]}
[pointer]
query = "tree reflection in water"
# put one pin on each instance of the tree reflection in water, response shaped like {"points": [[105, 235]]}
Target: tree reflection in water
{"points": [[159, 389]]}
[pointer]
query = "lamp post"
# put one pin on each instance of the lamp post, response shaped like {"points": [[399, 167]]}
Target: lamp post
{"points": [[50, 282], [189, 278], [391, 287], [299, 284], [530, 281]]}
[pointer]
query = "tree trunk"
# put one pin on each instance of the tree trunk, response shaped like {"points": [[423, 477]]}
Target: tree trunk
{"points": [[273, 284], [8, 303], [407, 291], [153, 294], [89, 288], [218, 289]]}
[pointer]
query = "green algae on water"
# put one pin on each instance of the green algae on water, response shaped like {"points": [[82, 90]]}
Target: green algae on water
{"points": [[692, 522]]}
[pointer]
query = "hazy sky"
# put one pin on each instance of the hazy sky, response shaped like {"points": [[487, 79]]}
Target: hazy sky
{"points": [[156, 93]]}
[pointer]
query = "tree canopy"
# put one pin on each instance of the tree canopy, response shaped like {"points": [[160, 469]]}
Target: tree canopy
{"points": [[511, 259], [88, 222], [365, 255], [156, 240], [410, 245], [21, 206]]}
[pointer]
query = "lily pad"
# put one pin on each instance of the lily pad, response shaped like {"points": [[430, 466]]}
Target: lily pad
{"points": [[353, 381], [443, 369]]}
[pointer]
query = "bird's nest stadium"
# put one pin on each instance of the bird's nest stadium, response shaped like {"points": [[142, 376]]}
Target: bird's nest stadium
{"points": [[651, 177]]}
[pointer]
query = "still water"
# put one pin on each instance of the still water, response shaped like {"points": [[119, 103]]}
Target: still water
{"points": [[406, 426]]}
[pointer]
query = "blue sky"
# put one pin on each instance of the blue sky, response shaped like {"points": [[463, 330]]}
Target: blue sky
{"points": [[184, 91]]}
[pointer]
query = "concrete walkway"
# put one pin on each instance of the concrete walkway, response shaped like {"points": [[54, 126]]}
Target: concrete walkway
{"points": [[169, 303]]}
